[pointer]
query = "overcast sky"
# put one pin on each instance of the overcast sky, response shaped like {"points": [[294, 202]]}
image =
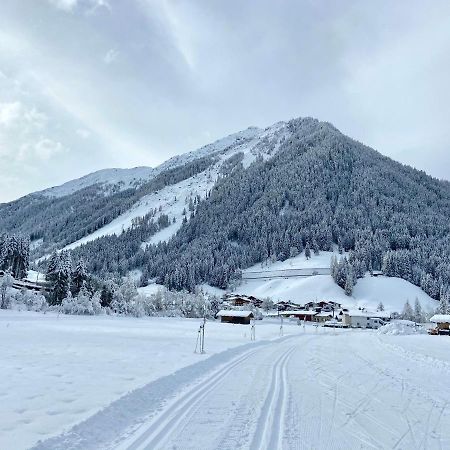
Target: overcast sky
{"points": [[90, 84]]}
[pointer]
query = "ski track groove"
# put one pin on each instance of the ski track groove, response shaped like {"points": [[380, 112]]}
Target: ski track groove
{"points": [[286, 408], [169, 419], [273, 397]]}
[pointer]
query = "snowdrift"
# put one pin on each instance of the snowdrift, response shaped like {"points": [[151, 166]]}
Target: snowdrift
{"points": [[401, 327]]}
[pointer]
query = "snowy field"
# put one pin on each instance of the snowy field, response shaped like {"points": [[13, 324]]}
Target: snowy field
{"points": [[136, 383], [58, 371]]}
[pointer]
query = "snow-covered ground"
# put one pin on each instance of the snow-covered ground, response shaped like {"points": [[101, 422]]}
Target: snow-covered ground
{"points": [[322, 261], [368, 292], [135, 384], [58, 371]]}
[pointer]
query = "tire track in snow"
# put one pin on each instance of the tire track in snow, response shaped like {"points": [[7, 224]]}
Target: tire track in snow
{"points": [[268, 433]]}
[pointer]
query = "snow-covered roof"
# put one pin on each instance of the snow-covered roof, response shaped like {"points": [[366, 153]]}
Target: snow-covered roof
{"points": [[440, 318], [233, 313], [369, 314], [298, 312], [324, 314]]}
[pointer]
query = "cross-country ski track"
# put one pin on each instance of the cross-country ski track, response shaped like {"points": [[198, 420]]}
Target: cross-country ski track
{"points": [[314, 390]]}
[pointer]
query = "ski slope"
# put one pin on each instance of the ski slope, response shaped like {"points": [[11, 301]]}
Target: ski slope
{"points": [[313, 389], [173, 199]]}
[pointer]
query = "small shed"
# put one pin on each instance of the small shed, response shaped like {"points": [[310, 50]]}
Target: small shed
{"points": [[233, 316]]}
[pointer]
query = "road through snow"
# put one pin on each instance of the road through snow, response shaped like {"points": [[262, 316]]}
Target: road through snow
{"points": [[349, 390]]}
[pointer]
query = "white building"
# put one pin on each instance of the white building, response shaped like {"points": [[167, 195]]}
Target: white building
{"points": [[364, 319]]}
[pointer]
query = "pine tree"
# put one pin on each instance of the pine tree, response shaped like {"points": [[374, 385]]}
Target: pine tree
{"points": [[407, 313], [443, 305], [380, 306], [349, 282], [59, 273], [79, 276], [418, 313], [307, 251], [107, 293], [315, 247], [6, 283]]}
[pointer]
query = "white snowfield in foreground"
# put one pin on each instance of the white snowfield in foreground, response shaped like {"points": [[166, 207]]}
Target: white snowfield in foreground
{"points": [[58, 371], [310, 389]]}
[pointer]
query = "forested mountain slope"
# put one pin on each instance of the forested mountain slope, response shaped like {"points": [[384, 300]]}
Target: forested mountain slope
{"points": [[321, 187], [61, 216], [265, 194]]}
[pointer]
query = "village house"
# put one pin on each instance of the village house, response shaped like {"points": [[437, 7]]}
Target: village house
{"points": [[285, 306], [242, 300], [442, 322], [323, 316], [300, 314], [236, 317], [322, 305]]}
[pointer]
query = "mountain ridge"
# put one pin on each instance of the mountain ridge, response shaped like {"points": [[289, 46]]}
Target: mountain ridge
{"points": [[253, 195]]}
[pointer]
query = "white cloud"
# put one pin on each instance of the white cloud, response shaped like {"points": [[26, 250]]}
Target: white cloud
{"points": [[23, 134], [45, 148], [17, 114], [71, 5], [42, 149], [111, 56], [65, 5], [10, 113], [83, 133]]}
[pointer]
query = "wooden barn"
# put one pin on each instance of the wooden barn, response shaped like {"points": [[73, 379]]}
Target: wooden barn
{"points": [[232, 316]]}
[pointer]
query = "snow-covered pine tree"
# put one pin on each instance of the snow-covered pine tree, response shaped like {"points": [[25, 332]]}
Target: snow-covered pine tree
{"points": [[407, 313], [419, 316], [349, 282], [107, 293], [59, 273], [79, 276], [443, 305], [315, 247], [6, 283], [307, 251]]}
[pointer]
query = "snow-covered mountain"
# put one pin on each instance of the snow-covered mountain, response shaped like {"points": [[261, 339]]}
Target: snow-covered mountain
{"points": [[132, 193], [123, 178], [253, 195], [252, 142]]}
